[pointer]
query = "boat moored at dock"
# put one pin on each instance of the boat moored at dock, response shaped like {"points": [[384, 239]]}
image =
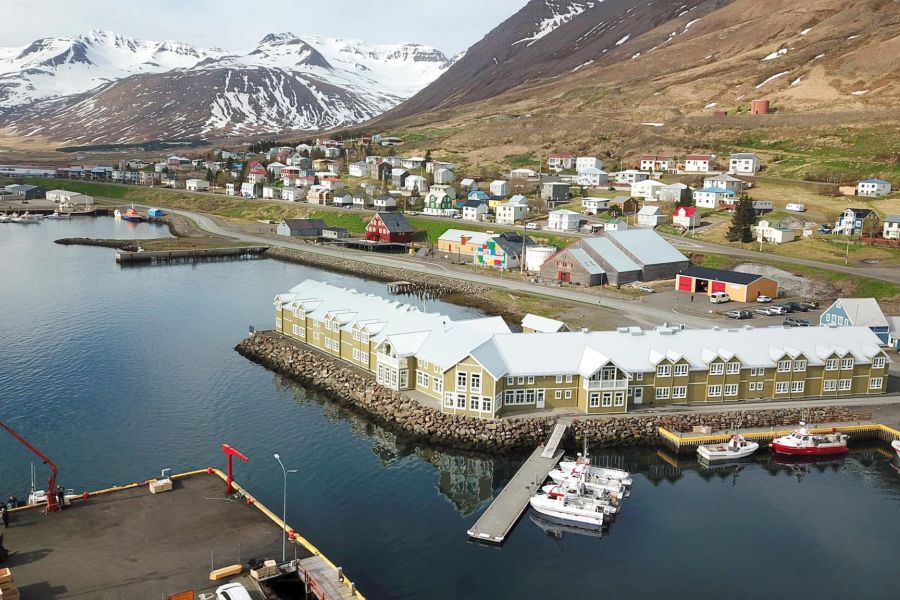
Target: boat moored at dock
{"points": [[58, 216], [801, 442], [606, 499], [582, 464], [736, 448], [26, 218], [569, 508], [594, 483], [896, 446], [132, 216]]}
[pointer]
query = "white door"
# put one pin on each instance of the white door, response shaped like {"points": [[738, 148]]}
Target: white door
{"points": [[404, 379], [638, 395], [539, 400]]}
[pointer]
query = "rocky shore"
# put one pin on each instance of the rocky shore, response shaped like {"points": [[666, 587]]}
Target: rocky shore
{"points": [[103, 243], [358, 391]]}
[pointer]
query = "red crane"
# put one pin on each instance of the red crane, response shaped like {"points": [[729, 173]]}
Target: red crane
{"points": [[52, 501], [229, 452]]}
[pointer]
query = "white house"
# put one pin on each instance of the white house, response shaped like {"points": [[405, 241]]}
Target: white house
{"points": [[650, 216], [416, 182], [519, 200], [271, 192], [698, 163], [293, 194], [385, 202], [499, 188], [359, 169], [362, 201], [662, 164], [771, 232], [522, 173], [467, 185], [712, 197], [615, 225], [343, 200], [686, 216], [674, 192], [854, 221], [248, 189], [631, 176], [592, 177], [275, 168], [413, 162], [443, 176], [196, 185], [725, 182], [509, 212], [229, 189], [873, 187], [474, 210], [587, 162], [891, 227], [592, 205], [744, 163], [647, 189], [563, 220], [560, 162]]}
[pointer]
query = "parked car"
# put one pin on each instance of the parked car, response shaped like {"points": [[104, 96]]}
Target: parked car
{"points": [[719, 298], [457, 216], [795, 322], [739, 314], [232, 591], [763, 299], [824, 228], [763, 312], [777, 310], [796, 306], [646, 290], [531, 226], [810, 304], [787, 307]]}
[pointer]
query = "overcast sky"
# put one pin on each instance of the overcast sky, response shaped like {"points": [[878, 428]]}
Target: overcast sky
{"points": [[449, 26]]}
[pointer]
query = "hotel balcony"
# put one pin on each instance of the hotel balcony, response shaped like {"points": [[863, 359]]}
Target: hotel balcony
{"points": [[610, 384]]}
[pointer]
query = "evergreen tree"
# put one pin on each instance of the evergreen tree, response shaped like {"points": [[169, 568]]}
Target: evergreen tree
{"points": [[743, 219], [209, 175]]}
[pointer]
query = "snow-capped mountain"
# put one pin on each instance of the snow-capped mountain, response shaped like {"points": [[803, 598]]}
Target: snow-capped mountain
{"points": [[106, 88]]}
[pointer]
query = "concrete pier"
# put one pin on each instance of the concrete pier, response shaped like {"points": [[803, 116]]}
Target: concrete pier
{"points": [[503, 513], [164, 256]]}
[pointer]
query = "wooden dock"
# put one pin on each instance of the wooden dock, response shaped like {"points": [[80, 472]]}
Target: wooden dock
{"points": [[503, 513]]}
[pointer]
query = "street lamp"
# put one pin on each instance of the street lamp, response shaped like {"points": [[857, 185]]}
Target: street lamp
{"points": [[284, 506]]}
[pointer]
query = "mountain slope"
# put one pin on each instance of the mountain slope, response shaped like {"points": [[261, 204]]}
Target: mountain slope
{"points": [[150, 90]]}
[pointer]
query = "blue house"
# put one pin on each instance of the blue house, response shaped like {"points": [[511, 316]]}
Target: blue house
{"points": [[857, 312], [854, 220], [479, 195]]}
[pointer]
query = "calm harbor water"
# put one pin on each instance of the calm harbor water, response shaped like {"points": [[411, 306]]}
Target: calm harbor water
{"points": [[117, 373]]}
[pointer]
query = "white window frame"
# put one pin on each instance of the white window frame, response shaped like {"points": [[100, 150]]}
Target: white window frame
{"points": [[878, 362], [473, 379], [717, 369], [845, 385], [829, 385], [784, 366], [781, 387], [437, 384], [531, 380], [606, 400], [559, 379], [449, 400], [594, 399], [662, 393], [510, 380], [568, 394], [714, 391], [679, 392], [847, 363], [568, 379], [462, 376], [663, 370], [800, 365], [798, 387], [731, 389], [733, 368], [681, 370], [461, 401], [875, 383], [639, 376], [558, 395], [832, 364]]}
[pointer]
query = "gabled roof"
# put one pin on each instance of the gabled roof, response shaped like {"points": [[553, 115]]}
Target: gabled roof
{"points": [[892, 219], [685, 211], [542, 324], [586, 262], [723, 177], [879, 181], [649, 211], [456, 235], [305, 223], [646, 246], [736, 277], [394, 222], [863, 312], [697, 157]]}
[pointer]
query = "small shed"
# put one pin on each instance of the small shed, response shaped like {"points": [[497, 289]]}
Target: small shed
{"points": [[156, 213]]}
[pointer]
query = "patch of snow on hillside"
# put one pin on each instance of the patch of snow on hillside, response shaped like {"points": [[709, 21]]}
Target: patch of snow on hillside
{"points": [[707, 57], [635, 55], [554, 22], [805, 31], [852, 37], [688, 26], [584, 64], [796, 82], [776, 54], [860, 92], [623, 40], [711, 105], [772, 78], [653, 124], [817, 57]]}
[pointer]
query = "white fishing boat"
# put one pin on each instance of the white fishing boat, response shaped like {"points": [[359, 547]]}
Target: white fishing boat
{"points": [[117, 214], [26, 218], [896, 446], [582, 463], [615, 488], [58, 216], [568, 508], [735, 448], [4, 218], [610, 505]]}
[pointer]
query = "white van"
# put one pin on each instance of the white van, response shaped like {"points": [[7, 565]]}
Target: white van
{"points": [[531, 226], [719, 298]]}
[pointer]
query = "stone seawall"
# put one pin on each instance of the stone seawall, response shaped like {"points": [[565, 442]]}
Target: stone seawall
{"points": [[358, 391]]}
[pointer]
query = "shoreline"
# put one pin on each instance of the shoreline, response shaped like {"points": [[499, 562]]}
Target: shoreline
{"points": [[349, 387]]}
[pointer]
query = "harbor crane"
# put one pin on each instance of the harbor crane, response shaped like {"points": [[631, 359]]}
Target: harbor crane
{"points": [[52, 500]]}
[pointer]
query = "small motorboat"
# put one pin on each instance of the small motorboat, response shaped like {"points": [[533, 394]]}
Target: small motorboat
{"points": [[801, 442], [610, 504], [117, 214], [26, 218], [582, 463], [615, 488], [132, 216], [58, 216], [568, 508], [737, 447], [4, 218], [896, 446]]}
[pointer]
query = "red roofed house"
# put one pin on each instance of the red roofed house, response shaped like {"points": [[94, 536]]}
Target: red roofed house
{"points": [[561, 161], [389, 227], [257, 173], [686, 216], [698, 163]]}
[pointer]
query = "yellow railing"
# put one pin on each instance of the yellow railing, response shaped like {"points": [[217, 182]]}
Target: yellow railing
{"points": [[680, 440]]}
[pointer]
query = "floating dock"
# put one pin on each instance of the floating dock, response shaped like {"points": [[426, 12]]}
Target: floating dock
{"points": [[685, 442], [167, 256], [498, 520], [126, 542]]}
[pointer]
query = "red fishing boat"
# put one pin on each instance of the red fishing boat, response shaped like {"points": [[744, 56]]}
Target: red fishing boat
{"points": [[132, 216], [801, 442]]}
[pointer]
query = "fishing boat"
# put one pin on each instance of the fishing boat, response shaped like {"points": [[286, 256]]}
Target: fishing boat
{"points": [[117, 214], [617, 489], [4, 218], [26, 218], [132, 216], [801, 442], [609, 503], [896, 446], [58, 216], [568, 508], [737, 447], [582, 464]]}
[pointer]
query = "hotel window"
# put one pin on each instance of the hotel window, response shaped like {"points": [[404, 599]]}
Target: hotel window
{"points": [[797, 386], [277, 323], [519, 397], [607, 399], [845, 384], [364, 357], [831, 364], [830, 385], [681, 370], [781, 387], [437, 369], [356, 334], [595, 399], [620, 399], [663, 370], [448, 400], [485, 404], [846, 363], [298, 312], [509, 396], [356, 354], [510, 380], [875, 383], [713, 391], [437, 385], [734, 368], [716, 368], [731, 389], [878, 362], [474, 403], [799, 365], [662, 393], [460, 400], [461, 380], [784, 366], [529, 396], [364, 338], [421, 378], [530, 380], [679, 392], [558, 395], [568, 394], [568, 379], [559, 379], [476, 382], [639, 376], [520, 380]]}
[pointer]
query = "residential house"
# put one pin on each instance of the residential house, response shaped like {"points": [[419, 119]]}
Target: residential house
{"points": [[416, 183], [384, 171], [271, 192], [698, 163], [257, 174], [148, 177], [675, 192], [615, 225], [591, 177], [561, 162], [510, 213], [293, 194], [499, 188], [394, 161], [479, 196], [249, 190], [196, 185], [631, 176], [563, 220], [363, 201], [467, 185], [773, 232], [478, 368], [398, 177], [523, 173], [319, 195], [873, 187], [713, 197], [332, 152], [230, 189], [300, 227], [438, 202], [413, 162], [651, 216], [342, 200], [275, 169], [434, 165], [537, 324], [444, 176], [385, 202], [359, 169], [744, 163], [657, 163], [891, 227], [854, 221], [725, 182], [335, 233], [687, 217], [894, 335], [555, 192], [857, 312], [740, 286], [389, 227], [647, 189], [505, 251], [461, 243], [474, 210], [587, 162], [332, 183], [593, 206]]}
